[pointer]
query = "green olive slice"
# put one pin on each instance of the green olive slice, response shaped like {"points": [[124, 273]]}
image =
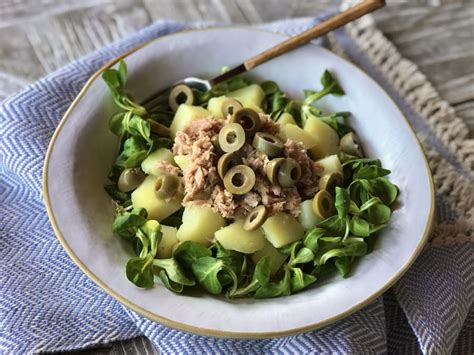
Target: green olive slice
{"points": [[248, 119], [215, 143], [268, 144], [180, 94], [289, 173], [166, 186], [239, 180], [255, 218], [271, 169], [230, 106], [329, 181], [350, 144], [226, 162], [231, 137], [323, 204], [129, 179]]}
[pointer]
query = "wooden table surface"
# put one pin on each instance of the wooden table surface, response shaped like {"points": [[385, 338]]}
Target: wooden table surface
{"points": [[39, 36]]}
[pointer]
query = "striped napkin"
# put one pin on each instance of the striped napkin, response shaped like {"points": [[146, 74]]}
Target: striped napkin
{"points": [[48, 304]]}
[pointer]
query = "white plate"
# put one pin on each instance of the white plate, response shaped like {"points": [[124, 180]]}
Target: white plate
{"points": [[82, 150]]}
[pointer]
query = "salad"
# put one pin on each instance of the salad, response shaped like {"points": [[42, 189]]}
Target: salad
{"points": [[241, 190]]}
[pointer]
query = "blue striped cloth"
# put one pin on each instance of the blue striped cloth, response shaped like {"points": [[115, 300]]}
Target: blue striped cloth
{"points": [[48, 304]]}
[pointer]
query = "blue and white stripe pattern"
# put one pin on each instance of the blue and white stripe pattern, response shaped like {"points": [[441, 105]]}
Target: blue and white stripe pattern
{"points": [[48, 304]]}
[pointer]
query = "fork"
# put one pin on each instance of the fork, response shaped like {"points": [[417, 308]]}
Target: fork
{"points": [[155, 101]]}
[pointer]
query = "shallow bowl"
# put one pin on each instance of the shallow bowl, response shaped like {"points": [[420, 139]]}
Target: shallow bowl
{"points": [[82, 151]]}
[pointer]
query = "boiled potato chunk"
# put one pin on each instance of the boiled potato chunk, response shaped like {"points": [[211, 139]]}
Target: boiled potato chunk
{"points": [[327, 139], [250, 96], [308, 218], [144, 197], [214, 106], [167, 243], [269, 250], [149, 165], [199, 224], [185, 115], [183, 161], [329, 165], [286, 118], [235, 237], [282, 229], [297, 134]]}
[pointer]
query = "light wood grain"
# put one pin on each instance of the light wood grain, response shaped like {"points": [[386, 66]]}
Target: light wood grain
{"points": [[39, 36], [339, 20]]}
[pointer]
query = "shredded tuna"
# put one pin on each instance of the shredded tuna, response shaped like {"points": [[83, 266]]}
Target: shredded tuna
{"points": [[203, 186], [308, 185], [184, 140], [268, 125], [168, 168]]}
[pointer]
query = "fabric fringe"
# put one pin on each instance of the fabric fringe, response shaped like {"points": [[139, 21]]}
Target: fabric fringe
{"points": [[423, 98]]}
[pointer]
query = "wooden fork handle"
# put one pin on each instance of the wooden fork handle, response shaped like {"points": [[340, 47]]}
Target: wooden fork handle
{"points": [[320, 29]]}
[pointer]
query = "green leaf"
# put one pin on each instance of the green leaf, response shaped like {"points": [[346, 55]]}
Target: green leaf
{"points": [[337, 121], [374, 228], [233, 84], [137, 127], [134, 151], [269, 87], [352, 249], [289, 249], [135, 159], [152, 230], [370, 172], [112, 79], [115, 124], [359, 191], [125, 224], [359, 227], [300, 280], [202, 97], [206, 271], [122, 73], [369, 203], [334, 226], [278, 102], [378, 214], [115, 80], [354, 209], [261, 277], [384, 189], [188, 252], [169, 284], [231, 258], [345, 158], [263, 270], [139, 270], [343, 202], [159, 142], [330, 83], [330, 86], [276, 289], [311, 239], [358, 162], [174, 271], [343, 266], [304, 255]]}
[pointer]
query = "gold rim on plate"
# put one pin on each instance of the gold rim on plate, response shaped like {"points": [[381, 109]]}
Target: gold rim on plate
{"points": [[206, 331]]}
